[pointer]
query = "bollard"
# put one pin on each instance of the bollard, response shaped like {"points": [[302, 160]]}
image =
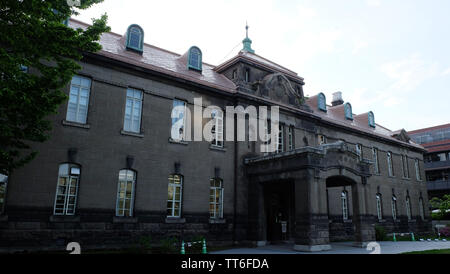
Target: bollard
{"points": [[395, 239], [204, 247], [182, 248], [412, 237]]}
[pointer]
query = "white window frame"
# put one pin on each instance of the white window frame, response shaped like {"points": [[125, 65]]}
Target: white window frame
{"points": [[408, 208], [131, 102], [291, 138], [359, 151], [80, 116], [122, 193], [344, 205], [417, 166], [394, 207], [375, 160], [421, 209], [174, 201], [4, 182], [390, 164], [72, 172], [379, 206], [405, 168], [175, 120], [217, 130], [217, 190], [280, 139]]}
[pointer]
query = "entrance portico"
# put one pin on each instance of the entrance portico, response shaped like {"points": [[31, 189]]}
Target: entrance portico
{"points": [[303, 176]]}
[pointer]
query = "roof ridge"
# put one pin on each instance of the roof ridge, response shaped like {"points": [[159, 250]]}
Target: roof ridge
{"points": [[273, 62]]}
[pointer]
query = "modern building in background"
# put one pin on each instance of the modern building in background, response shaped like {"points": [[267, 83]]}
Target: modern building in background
{"points": [[115, 169], [436, 140]]}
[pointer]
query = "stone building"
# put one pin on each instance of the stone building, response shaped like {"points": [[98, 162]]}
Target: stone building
{"points": [[113, 171]]}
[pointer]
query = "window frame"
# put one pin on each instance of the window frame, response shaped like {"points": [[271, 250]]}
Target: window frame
{"points": [[390, 164], [174, 200], [371, 119], [68, 185], [133, 193], [79, 87], [183, 137], [214, 203], [140, 48], [348, 111], [394, 207], [291, 145], [321, 102], [405, 167], [408, 208], [375, 160], [417, 167], [322, 139], [280, 138], [359, 151], [379, 201], [218, 124], [197, 67], [344, 205], [133, 100], [421, 209]]}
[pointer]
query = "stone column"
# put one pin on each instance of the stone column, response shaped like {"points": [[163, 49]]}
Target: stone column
{"points": [[311, 219], [363, 220]]}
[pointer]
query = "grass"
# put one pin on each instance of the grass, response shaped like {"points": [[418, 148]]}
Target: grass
{"points": [[433, 251]]}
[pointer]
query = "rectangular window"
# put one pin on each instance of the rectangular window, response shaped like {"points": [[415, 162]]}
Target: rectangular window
{"points": [[418, 175], [133, 111], [379, 207], [174, 195], [216, 198], [359, 151], [390, 166], [394, 208], [77, 107], [421, 211], [408, 208], [322, 139], [344, 202], [178, 120], [125, 193], [247, 75], [291, 138], [67, 190], [217, 129], [280, 140], [376, 164], [405, 167], [3, 187]]}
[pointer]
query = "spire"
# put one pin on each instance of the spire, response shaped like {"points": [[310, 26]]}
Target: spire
{"points": [[247, 42]]}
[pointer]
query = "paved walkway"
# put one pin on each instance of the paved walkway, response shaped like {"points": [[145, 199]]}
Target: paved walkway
{"points": [[342, 248]]}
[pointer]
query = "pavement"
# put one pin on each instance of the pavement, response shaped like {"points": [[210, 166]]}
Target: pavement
{"points": [[343, 248]]}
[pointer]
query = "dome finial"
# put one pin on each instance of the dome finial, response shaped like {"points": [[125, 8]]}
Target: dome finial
{"points": [[247, 42]]}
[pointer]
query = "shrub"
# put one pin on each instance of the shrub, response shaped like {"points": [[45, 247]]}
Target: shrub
{"points": [[168, 246], [380, 233], [445, 231]]}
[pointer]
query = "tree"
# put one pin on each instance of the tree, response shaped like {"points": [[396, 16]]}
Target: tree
{"points": [[38, 57], [442, 204]]}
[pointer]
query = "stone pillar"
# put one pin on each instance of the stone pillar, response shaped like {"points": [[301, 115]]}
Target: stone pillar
{"points": [[363, 220], [311, 219]]}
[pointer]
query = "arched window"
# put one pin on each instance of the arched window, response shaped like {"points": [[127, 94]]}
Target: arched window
{"points": [[125, 193], [390, 164], [3, 187], [344, 200], [216, 198], [371, 119], [348, 111], [67, 189], [195, 58], [321, 102], [135, 38], [174, 200], [421, 210], [394, 207], [408, 208], [379, 207]]}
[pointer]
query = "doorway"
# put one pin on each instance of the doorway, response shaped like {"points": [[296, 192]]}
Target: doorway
{"points": [[279, 211]]}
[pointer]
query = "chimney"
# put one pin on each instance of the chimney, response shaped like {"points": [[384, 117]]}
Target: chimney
{"points": [[337, 99]]}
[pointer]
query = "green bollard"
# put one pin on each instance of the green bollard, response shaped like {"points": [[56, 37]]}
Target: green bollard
{"points": [[412, 237], [395, 239], [204, 247], [182, 248]]}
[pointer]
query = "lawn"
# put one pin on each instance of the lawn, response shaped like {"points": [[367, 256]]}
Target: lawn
{"points": [[433, 251]]}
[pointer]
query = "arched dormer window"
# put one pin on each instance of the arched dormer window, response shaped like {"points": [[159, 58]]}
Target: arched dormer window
{"points": [[348, 111], [321, 102], [135, 38], [371, 119], [195, 58]]}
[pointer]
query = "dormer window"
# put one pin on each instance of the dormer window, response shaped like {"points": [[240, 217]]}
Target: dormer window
{"points": [[321, 102], [371, 119], [135, 38], [195, 59], [348, 111]]}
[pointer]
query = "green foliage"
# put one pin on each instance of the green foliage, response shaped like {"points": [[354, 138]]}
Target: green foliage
{"points": [[380, 233], [169, 246], [443, 205], [33, 35]]}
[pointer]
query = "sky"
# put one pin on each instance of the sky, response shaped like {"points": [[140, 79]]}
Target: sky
{"points": [[391, 57]]}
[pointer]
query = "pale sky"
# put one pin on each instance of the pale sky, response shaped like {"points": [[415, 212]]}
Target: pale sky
{"points": [[388, 56]]}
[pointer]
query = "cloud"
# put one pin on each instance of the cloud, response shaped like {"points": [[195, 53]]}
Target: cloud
{"points": [[358, 45], [446, 72], [373, 3]]}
